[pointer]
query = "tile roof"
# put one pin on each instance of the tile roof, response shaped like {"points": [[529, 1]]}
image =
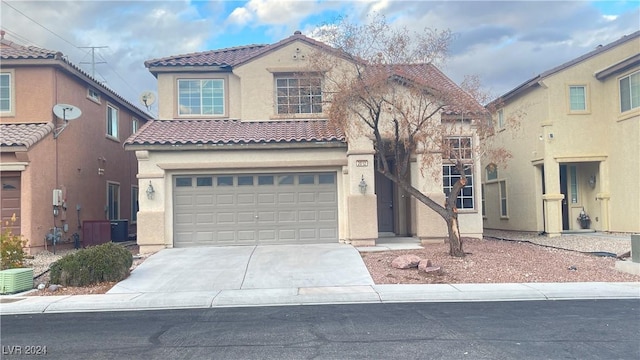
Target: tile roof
{"points": [[534, 81], [228, 132], [231, 57], [10, 50], [431, 77], [23, 134]]}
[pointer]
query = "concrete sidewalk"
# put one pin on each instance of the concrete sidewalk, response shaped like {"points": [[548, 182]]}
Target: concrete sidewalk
{"points": [[287, 275], [318, 295]]}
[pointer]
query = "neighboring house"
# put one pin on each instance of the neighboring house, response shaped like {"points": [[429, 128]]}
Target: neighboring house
{"points": [[576, 147], [243, 154], [84, 158]]}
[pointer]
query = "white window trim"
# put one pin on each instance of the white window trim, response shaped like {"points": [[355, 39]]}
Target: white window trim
{"points": [[135, 125], [504, 213], [12, 97], [473, 189], [225, 95], [96, 99], [631, 109], [117, 129], [587, 108], [501, 119], [288, 75]]}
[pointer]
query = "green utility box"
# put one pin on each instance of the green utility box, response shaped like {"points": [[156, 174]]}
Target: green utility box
{"points": [[16, 280], [635, 248]]}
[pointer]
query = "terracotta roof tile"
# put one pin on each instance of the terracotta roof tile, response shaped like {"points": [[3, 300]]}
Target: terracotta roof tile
{"points": [[23, 134], [190, 132], [11, 50]]}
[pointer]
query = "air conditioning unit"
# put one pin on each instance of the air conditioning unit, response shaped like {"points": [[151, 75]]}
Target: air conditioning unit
{"points": [[16, 280]]}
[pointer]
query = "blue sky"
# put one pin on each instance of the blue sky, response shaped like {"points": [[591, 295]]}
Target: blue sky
{"points": [[503, 42]]}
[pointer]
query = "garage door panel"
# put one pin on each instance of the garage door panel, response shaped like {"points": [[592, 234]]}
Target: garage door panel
{"points": [[286, 198], [244, 235], [267, 199], [205, 219], [246, 217], [308, 215], [246, 199], [306, 197], [274, 209], [204, 199], [327, 215], [327, 197], [224, 199], [225, 218], [286, 216]]}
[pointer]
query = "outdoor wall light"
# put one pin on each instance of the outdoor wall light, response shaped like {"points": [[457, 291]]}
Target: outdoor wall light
{"points": [[592, 181], [150, 191], [362, 186]]}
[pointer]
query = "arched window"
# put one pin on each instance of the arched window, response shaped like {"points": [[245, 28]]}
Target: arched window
{"points": [[492, 171]]}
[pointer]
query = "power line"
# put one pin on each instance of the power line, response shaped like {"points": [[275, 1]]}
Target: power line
{"points": [[37, 23], [93, 58]]}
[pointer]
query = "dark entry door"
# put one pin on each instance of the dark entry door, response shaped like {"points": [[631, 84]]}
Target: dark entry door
{"points": [[564, 189], [384, 191]]}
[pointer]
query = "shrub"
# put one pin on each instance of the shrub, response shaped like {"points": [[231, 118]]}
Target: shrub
{"points": [[11, 247], [106, 262]]}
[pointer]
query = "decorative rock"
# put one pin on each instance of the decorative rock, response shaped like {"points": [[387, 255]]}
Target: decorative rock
{"points": [[405, 261], [427, 267], [41, 286], [53, 288]]}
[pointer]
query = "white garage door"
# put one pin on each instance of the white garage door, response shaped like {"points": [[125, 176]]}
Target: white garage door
{"points": [[248, 209]]}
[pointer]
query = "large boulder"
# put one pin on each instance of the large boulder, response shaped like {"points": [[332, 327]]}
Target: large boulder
{"points": [[406, 261]]}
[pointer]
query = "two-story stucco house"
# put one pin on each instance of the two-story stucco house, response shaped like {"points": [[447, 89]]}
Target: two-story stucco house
{"points": [[84, 158], [243, 154], [576, 147]]}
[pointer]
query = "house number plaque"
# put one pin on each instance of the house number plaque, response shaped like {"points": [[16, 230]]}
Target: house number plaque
{"points": [[362, 163]]}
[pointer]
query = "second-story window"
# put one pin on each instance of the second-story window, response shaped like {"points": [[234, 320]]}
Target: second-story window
{"points": [[501, 119], [577, 98], [298, 95], [135, 125], [5, 92], [630, 92], [112, 121], [93, 94], [201, 97]]}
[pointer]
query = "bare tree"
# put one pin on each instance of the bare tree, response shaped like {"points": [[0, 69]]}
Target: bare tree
{"points": [[382, 82]]}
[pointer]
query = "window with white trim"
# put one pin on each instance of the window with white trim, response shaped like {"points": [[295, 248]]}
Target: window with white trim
{"points": [[577, 98], [201, 97], [135, 125], [500, 119], [630, 92], [113, 201], [482, 194], [93, 94], [503, 199], [5, 92], [458, 148], [492, 171], [298, 95], [112, 121], [450, 176]]}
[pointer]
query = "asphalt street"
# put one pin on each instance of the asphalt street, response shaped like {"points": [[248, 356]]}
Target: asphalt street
{"points": [[568, 329]]}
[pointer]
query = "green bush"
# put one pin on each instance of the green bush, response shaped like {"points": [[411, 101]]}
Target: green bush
{"points": [[96, 264], [11, 247]]}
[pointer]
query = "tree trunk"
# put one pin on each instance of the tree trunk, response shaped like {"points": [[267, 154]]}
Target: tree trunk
{"points": [[455, 242]]}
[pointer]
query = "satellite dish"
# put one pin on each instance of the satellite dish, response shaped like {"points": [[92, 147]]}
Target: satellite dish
{"points": [[147, 98], [66, 112]]}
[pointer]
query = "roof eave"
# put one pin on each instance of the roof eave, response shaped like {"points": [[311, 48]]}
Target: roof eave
{"points": [[282, 145]]}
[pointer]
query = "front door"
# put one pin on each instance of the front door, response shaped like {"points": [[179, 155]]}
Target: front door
{"points": [[564, 189], [384, 192]]}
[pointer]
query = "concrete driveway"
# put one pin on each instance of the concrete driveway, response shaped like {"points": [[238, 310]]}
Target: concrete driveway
{"points": [[247, 267]]}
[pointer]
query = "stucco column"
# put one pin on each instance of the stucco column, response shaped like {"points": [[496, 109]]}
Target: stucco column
{"points": [[552, 198], [151, 215], [430, 227], [362, 207], [603, 194]]}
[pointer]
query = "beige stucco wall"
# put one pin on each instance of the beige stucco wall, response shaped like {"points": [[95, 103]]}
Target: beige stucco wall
{"points": [[599, 142]]}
